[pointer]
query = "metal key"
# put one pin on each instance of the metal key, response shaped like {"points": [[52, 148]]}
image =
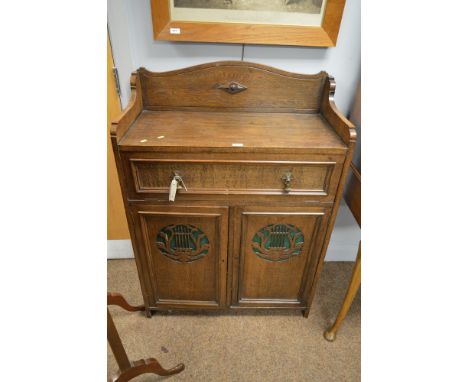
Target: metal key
{"points": [[176, 184], [180, 182]]}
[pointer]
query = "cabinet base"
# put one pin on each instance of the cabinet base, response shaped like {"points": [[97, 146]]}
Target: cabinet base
{"points": [[150, 311]]}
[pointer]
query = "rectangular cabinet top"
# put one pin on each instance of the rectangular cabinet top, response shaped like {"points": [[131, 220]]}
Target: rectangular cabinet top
{"points": [[165, 129]]}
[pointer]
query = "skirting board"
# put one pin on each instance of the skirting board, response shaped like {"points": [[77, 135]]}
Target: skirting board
{"points": [[119, 249], [343, 243]]}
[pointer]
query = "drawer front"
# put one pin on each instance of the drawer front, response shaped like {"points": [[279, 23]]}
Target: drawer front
{"points": [[269, 177]]}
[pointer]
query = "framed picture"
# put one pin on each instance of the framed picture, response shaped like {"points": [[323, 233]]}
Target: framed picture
{"points": [[278, 22]]}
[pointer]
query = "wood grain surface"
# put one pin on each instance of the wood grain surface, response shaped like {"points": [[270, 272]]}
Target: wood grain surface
{"points": [[265, 87], [155, 130], [243, 33], [201, 283], [270, 283], [117, 227], [233, 151]]}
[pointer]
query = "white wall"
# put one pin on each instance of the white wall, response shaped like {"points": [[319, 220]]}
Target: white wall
{"points": [[130, 30], [131, 34]]}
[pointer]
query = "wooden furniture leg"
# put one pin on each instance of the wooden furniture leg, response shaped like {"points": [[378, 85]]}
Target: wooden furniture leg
{"points": [[119, 300], [354, 284], [128, 369]]}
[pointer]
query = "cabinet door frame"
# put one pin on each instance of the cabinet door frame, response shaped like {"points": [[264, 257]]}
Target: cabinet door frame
{"points": [[239, 217], [220, 213]]}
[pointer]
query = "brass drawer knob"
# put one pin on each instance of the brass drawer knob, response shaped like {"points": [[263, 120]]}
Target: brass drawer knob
{"points": [[287, 178]]}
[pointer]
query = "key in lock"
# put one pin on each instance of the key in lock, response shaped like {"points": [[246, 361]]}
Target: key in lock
{"points": [[177, 183]]}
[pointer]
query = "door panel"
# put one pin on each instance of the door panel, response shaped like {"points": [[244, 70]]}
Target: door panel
{"points": [[186, 249], [277, 250], [117, 227]]}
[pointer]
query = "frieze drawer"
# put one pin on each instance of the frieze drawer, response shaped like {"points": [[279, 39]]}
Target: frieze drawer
{"points": [[318, 178]]}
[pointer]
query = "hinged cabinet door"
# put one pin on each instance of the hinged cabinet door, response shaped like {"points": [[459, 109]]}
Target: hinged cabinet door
{"points": [[186, 249], [276, 251]]}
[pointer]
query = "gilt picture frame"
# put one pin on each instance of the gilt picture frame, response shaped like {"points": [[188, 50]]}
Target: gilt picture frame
{"points": [[271, 22]]}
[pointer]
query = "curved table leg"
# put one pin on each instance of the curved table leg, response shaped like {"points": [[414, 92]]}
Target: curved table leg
{"points": [[119, 300], [354, 284], [144, 366], [128, 369]]}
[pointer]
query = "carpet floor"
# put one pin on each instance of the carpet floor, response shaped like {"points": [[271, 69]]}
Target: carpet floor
{"points": [[253, 346]]}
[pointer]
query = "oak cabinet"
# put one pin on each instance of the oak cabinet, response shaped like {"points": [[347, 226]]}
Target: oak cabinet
{"points": [[231, 175]]}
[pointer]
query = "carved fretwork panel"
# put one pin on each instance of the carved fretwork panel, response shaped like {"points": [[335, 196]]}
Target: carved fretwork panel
{"points": [[279, 248], [182, 242], [185, 249], [278, 242]]}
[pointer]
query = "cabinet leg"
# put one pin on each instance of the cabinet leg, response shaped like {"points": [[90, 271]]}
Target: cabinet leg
{"points": [[148, 313], [305, 313], [354, 284]]}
